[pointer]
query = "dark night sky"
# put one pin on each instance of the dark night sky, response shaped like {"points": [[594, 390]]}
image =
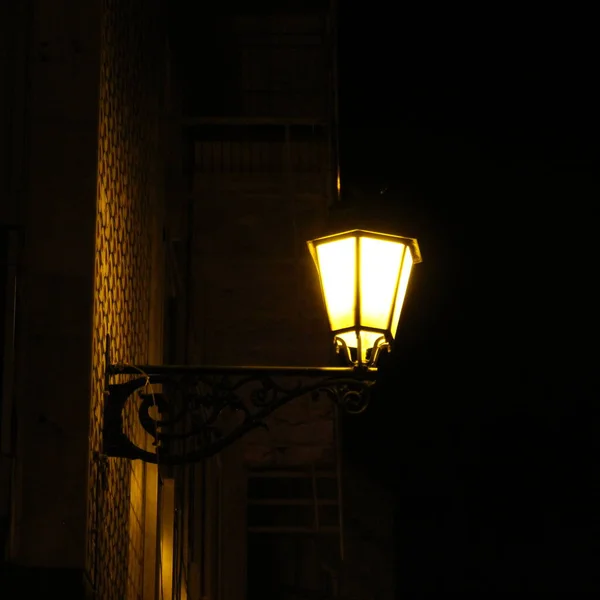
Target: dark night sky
{"points": [[482, 127]]}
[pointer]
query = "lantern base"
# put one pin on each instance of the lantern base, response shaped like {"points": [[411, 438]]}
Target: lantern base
{"points": [[365, 356]]}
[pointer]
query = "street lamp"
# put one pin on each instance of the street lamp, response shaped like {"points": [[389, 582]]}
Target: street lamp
{"points": [[364, 278]]}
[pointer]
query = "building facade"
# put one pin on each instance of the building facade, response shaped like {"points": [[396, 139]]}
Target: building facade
{"points": [[161, 172], [83, 208], [260, 131]]}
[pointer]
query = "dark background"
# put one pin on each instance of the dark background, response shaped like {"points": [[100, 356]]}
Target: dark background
{"points": [[476, 130], [479, 125]]}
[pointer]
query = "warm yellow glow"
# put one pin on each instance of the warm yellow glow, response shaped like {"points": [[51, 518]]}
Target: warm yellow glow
{"points": [[373, 269], [407, 264], [337, 266], [380, 262], [367, 340], [167, 517], [339, 183]]}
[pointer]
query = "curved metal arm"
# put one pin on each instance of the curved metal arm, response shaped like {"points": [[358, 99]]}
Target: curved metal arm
{"points": [[192, 399]]}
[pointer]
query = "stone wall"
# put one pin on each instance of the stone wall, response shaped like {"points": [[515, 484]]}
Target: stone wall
{"points": [[56, 215], [255, 300], [261, 184], [90, 263], [128, 274]]}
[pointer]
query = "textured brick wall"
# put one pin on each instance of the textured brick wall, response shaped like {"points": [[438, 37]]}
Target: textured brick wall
{"points": [[127, 232]]}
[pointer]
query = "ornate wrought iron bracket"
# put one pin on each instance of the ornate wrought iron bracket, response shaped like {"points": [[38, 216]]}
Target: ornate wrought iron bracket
{"points": [[194, 412]]}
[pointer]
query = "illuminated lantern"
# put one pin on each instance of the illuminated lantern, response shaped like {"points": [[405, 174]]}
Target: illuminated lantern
{"points": [[364, 278]]}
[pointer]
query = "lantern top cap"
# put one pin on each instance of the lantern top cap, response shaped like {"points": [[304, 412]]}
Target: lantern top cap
{"points": [[410, 242]]}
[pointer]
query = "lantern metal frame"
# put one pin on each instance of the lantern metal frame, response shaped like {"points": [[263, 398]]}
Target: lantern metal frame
{"points": [[383, 343]]}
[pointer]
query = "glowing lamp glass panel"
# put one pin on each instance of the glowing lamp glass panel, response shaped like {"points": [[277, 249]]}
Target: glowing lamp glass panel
{"points": [[337, 266], [380, 264], [370, 269], [407, 265]]}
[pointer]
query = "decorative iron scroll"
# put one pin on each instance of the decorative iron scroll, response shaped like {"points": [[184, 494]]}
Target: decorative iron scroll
{"points": [[204, 409]]}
